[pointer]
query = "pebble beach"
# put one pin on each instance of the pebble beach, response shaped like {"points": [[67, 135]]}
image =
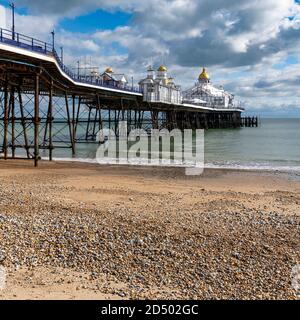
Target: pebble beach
{"points": [[83, 231]]}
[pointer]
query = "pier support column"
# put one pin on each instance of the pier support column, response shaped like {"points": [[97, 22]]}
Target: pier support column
{"points": [[12, 109], [50, 119], [73, 121], [5, 139], [70, 124], [100, 126], [23, 121], [36, 118], [77, 117], [154, 119]]}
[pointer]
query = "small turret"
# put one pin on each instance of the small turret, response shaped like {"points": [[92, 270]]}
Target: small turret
{"points": [[109, 70], [162, 72], [204, 76], [150, 73]]}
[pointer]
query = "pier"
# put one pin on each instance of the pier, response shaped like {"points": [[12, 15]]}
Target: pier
{"points": [[46, 106], [249, 122]]}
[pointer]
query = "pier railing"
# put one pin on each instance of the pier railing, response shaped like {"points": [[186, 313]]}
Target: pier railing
{"points": [[28, 43]]}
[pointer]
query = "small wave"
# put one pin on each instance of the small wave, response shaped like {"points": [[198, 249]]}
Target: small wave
{"points": [[84, 160], [227, 165], [137, 162], [253, 166]]}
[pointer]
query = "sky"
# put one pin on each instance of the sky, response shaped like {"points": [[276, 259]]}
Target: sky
{"points": [[252, 48]]}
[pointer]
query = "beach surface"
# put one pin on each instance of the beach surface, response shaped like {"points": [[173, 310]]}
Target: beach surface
{"points": [[82, 231]]}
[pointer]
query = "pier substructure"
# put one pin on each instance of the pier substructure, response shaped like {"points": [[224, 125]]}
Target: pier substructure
{"points": [[39, 114], [35, 115], [201, 120], [146, 117]]}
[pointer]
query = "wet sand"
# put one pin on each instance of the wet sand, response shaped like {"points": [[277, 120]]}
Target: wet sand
{"points": [[83, 231]]}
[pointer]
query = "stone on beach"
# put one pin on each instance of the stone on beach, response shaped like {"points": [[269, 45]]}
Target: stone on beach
{"points": [[156, 242]]}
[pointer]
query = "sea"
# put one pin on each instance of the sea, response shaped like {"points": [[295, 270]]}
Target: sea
{"points": [[274, 145]]}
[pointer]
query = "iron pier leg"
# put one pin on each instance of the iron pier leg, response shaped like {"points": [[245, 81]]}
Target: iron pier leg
{"points": [[77, 117], [129, 120], [50, 119], [13, 148], [94, 125], [100, 116], [69, 125], [135, 118], [23, 122], [123, 111], [73, 118], [36, 120], [5, 142], [88, 125]]}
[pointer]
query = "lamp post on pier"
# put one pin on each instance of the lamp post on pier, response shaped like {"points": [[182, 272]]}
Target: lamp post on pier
{"points": [[53, 40], [62, 54], [13, 7], [78, 70]]}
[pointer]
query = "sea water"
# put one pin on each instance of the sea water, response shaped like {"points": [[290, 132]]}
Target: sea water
{"points": [[274, 145]]}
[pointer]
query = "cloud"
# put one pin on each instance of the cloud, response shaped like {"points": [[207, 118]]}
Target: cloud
{"points": [[190, 32], [239, 40], [77, 7], [34, 25], [3, 21], [228, 32]]}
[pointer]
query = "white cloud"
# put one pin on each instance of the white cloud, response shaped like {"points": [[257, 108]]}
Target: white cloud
{"points": [[239, 40], [3, 18]]}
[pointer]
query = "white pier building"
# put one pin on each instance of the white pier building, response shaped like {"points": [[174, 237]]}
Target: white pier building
{"points": [[116, 79], [160, 87], [204, 93]]}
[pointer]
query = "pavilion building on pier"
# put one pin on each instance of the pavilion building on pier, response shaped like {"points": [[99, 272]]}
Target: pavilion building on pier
{"points": [[159, 87], [116, 79], [205, 94]]}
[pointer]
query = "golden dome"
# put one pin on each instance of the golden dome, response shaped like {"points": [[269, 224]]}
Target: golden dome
{"points": [[109, 70], [162, 68], [204, 75]]}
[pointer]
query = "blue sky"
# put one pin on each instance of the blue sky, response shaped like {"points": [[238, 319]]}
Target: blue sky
{"points": [[98, 20], [250, 47]]}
